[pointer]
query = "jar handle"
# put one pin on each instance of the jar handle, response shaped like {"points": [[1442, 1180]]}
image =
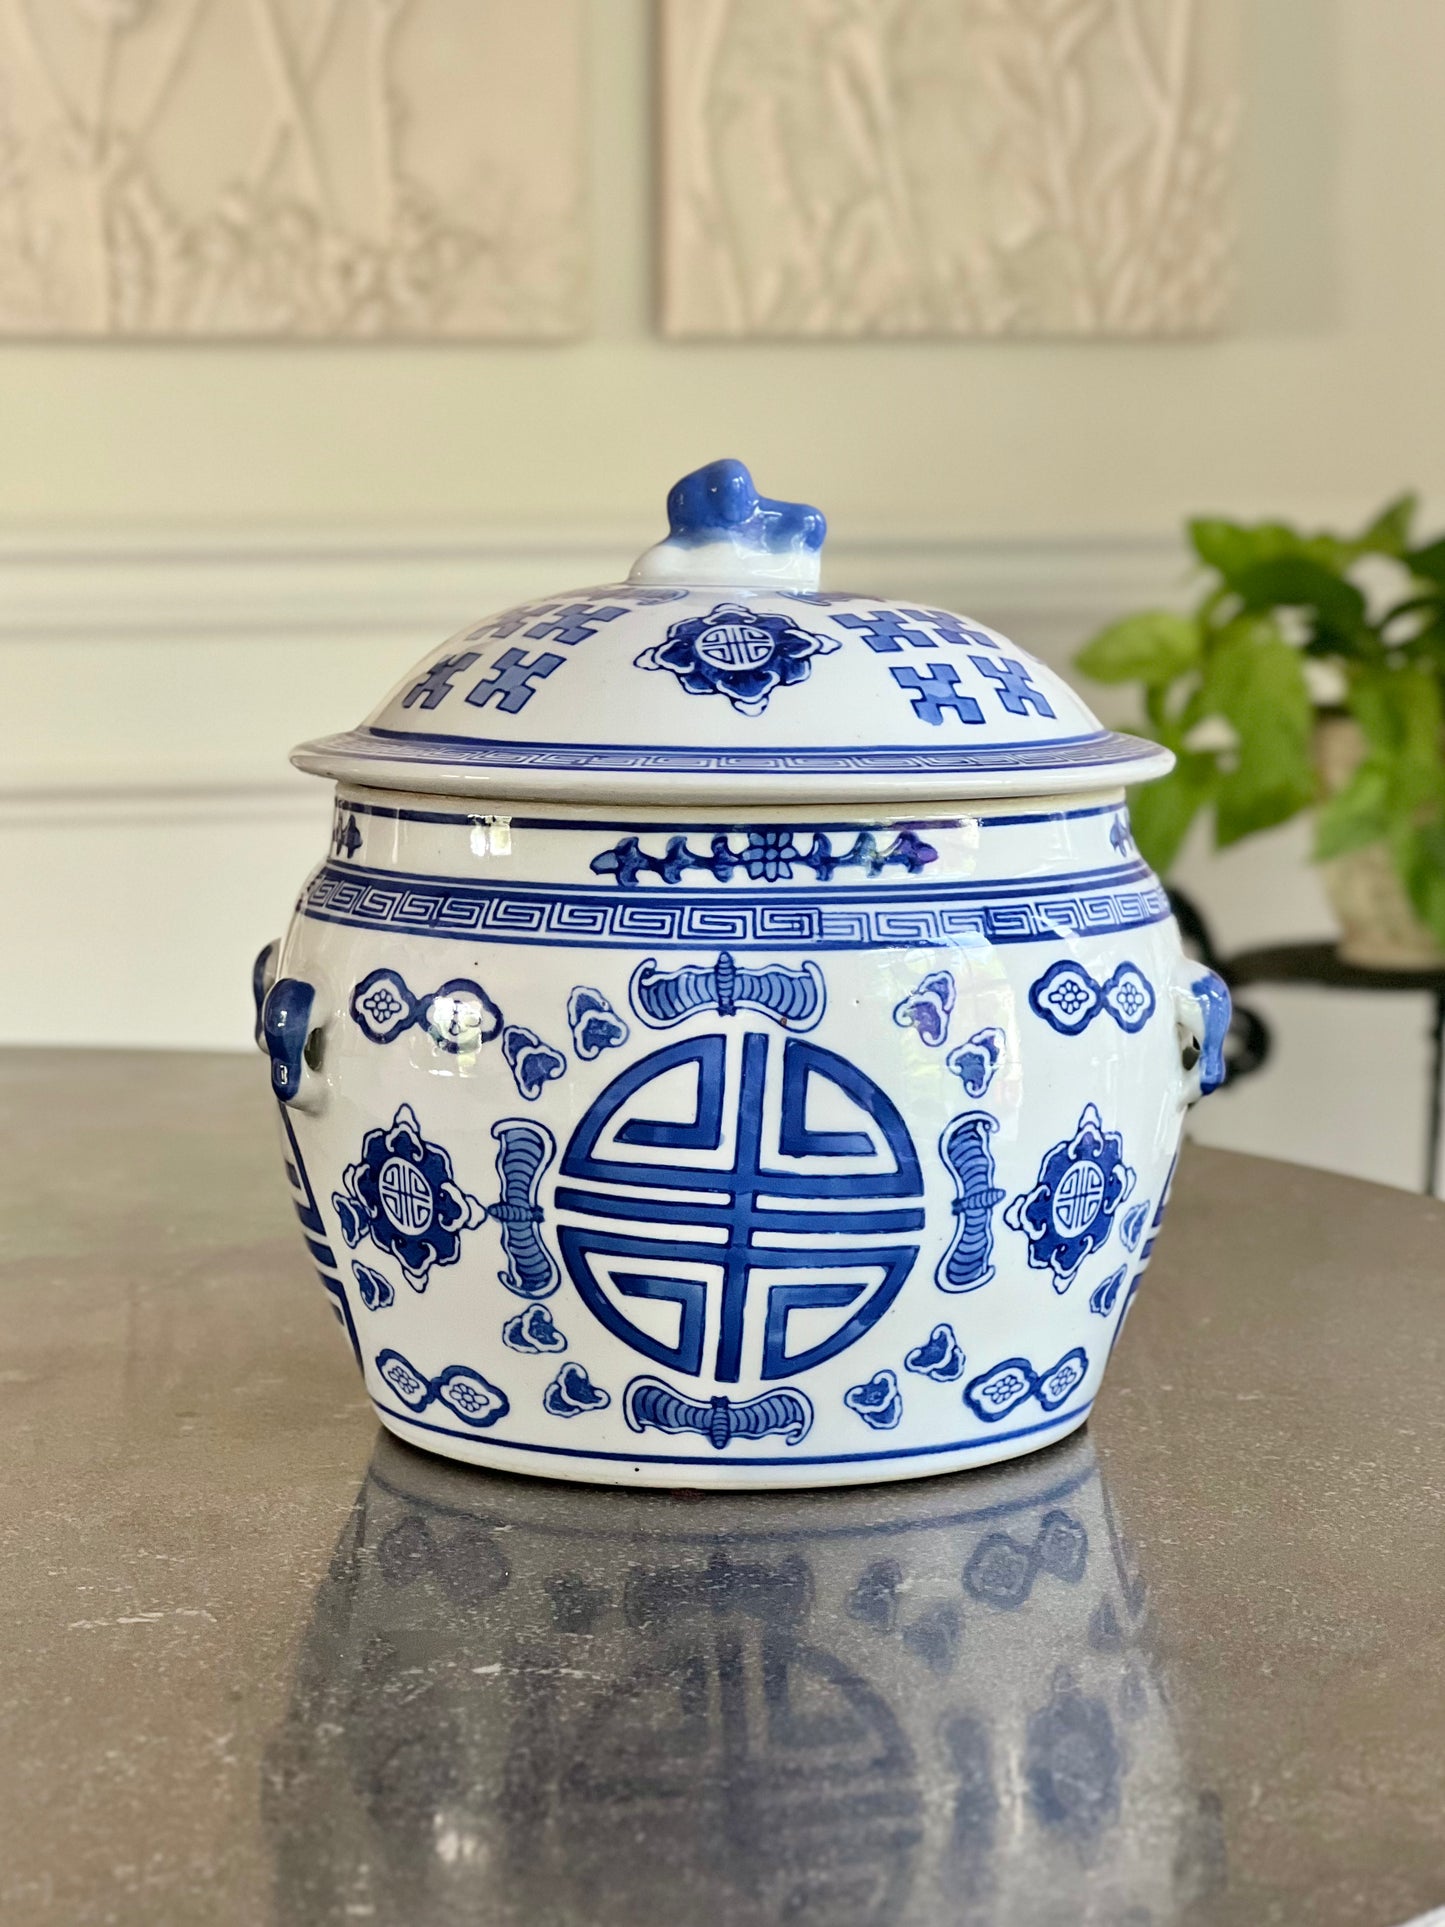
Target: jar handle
{"points": [[1202, 1010], [285, 1032]]}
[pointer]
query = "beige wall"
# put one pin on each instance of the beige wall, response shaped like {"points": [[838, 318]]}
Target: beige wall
{"points": [[207, 552], [1318, 402]]}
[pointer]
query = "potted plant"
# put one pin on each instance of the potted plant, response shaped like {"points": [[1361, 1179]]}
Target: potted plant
{"points": [[1309, 676]]}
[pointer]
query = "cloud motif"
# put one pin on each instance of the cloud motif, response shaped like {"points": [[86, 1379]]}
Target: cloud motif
{"points": [[1131, 1225], [594, 1024], [975, 1062], [928, 1008], [530, 1061], [1103, 1296], [940, 1356], [532, 1330], [376, 1291], [571, 1392], [878, 1403]]}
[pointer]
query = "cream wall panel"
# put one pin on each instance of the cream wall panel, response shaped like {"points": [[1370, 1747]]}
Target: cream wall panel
{"points": [[319, 168], [1316, 402], [954, 167]]}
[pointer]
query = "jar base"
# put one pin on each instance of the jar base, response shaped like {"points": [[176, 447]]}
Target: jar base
{"points": [[739, 1476]]}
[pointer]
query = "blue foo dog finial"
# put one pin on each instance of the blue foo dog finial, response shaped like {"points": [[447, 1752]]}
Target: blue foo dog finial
{"points": [[720, 530]]}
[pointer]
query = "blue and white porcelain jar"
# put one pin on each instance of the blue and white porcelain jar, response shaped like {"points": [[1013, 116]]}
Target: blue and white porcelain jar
{"points": [[733, 1039]]}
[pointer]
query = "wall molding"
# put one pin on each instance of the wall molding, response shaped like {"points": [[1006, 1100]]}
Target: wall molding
{"points": [[255, 635]]}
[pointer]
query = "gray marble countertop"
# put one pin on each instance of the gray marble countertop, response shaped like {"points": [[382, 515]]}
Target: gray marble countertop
{"points": [[262, 1663]]}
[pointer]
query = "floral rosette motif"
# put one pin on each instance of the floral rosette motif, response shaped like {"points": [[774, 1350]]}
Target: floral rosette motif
{"points": [[739, 653], [1070, 1211], [402, 1195]]}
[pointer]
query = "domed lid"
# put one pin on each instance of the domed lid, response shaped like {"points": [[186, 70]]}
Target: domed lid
{"points": [[718, 673]]}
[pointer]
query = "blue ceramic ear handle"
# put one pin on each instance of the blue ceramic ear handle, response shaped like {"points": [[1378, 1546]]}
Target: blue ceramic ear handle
{"points": [[1202, 1009], [283, 1025]]}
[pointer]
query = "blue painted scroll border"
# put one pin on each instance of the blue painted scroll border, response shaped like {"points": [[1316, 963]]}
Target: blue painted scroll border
{"points": [[1076, 1414], [1100, 748]]}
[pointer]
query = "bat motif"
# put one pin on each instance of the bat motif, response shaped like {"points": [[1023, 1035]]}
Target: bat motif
{"points": [[648, 1402], [793, 998], [524, 1151], [964, 1147]]}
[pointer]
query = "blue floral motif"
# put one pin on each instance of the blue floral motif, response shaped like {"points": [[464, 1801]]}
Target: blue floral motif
{"points": [[571, 1392], [531, 1062], [472, 1398], [401, 1194], [769, 855], [594, 1024], [975, 1062], [532, 1330], [382, 1005], [939, 1356], [1070, 1211], [739, 653], [457, 1017], [1066, 996], [995, 1393], [878, 1403], [1129, 997], [928, 1008], [376, 1291]]}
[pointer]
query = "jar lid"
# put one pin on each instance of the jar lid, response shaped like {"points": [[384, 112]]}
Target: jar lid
{"points": [[720, 673]]}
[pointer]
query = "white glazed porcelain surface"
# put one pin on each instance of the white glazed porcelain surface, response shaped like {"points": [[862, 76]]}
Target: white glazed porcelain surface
{"points": [[720, 671], [706, 1130], [989, 1042]]}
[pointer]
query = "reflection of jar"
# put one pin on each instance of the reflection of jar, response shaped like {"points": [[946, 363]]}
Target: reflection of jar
{"points": [[733, 1040], [523, 1703]]}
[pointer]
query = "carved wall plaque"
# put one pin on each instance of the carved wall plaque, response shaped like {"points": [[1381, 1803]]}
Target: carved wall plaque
{"points": [[330, 168], [960, 167]]}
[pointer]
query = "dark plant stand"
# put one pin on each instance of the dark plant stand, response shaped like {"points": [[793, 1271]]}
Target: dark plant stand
{"points": [[1314, 963]]}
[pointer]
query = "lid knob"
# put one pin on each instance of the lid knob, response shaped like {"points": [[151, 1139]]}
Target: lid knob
{"points": [[722, 533]]}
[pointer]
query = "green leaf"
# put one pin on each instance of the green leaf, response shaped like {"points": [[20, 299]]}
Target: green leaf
{"points": [[1257, 682], [1419, 853], [1233, 547], [1153, 648], [1389, 533], [1428, 562], [1295, 581], [1399, 709], [1358, 815], [1160, 813]]}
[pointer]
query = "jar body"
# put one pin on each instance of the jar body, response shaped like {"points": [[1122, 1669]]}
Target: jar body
{"points": [[686, 1151]]}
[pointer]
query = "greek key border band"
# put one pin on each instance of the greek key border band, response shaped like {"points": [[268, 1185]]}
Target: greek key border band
{"points": [[445, 907]]}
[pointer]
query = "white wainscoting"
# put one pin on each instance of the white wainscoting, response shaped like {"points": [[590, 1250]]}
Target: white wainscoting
{"points": [[152, 834]]}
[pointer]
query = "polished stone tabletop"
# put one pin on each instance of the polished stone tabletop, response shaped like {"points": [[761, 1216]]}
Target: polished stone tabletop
{"points": [[260, 1663]]}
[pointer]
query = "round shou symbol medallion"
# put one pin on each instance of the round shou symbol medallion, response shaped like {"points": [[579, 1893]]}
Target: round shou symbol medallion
{"points": [[1077, 1200], [406, 1195], [734, 645], [711, 1223]]}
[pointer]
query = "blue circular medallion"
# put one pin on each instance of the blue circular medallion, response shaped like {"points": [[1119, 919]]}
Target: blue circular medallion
{"points": [[709, 1219], [1077, 1200], [406, 1196]]}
